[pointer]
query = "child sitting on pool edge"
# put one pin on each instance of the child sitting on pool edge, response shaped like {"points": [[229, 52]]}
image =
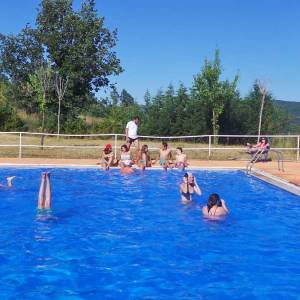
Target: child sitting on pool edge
{"points": [[165, 156], [107, 157], [181, 160]]}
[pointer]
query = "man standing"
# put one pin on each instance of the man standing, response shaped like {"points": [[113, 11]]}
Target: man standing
{"points": [[131, 133]]}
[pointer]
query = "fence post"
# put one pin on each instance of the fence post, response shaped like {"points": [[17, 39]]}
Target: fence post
{"points": [[115, 145], [20, 145], [209, 146], [298, 146]]}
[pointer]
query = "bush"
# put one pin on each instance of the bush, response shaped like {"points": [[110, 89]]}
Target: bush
{"points": [[9, 121]]}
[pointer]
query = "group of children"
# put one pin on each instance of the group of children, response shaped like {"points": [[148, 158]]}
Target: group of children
{"points": [[142, 159], [215, 206]]}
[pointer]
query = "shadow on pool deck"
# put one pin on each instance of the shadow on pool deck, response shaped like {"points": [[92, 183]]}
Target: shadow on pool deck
{"points": [[291, 174]]}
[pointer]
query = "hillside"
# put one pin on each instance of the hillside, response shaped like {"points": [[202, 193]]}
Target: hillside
{"points": [[292, 107]]}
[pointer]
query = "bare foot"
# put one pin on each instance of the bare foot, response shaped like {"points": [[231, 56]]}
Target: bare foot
{"points": [[10, 180]]}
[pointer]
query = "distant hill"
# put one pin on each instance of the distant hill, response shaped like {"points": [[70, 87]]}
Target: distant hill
{"points": [[292, 107]]}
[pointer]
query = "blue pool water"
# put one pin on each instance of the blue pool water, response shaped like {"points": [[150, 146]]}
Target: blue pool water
{"points": [[111, 236]]}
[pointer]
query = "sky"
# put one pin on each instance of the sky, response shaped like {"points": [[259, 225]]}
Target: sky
{"points": [[166, 41]]}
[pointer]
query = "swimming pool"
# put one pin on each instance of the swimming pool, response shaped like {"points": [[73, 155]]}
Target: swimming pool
{"points": [[111, 236]]}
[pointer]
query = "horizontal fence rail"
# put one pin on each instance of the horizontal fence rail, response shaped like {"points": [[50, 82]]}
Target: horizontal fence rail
{"points": [[196, 143]]}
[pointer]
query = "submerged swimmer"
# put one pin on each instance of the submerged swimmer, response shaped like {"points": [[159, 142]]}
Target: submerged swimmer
{"points": [[9, 181], [188, 187], [215, 207], [44, 200]]}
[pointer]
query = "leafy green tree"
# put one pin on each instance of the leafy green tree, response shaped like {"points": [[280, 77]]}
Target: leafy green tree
{"points": [[274, 119], [79, 46], [8, 116], [126, 99], [212, 91], [74, 43]]}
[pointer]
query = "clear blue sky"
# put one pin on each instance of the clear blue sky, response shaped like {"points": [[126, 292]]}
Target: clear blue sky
{"points": [[163, 41]]}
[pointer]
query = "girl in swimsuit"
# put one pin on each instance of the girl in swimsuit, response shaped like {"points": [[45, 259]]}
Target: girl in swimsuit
{"points": [[261, 146], [181, 161], [125, 160], [188, 187], [215, 207], [144, 159], [107, 157]]}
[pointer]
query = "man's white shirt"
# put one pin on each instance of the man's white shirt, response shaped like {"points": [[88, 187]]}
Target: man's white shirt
{"points": [[132, 129]]}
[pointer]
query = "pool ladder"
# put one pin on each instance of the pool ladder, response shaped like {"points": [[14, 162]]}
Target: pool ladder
{"points": [[259, 155]]}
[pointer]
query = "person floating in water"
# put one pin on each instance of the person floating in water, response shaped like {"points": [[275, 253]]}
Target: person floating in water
{"points": [[188, 187], [44, 200], [215, 207], [164, 156], [181, 160], [9, 182]]}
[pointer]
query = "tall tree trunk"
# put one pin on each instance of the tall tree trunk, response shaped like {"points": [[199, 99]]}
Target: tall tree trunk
{"points": [[43, 128], [215, 127], [260, 114], [58, 117]]}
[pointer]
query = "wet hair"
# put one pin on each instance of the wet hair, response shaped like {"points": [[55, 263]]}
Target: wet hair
{"points": [[213, 199], [165, 144], [180, 148], [144, 147], [125, 146]]}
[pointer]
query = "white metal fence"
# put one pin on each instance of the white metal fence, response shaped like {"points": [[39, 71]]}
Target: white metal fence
{"points": [[21, 141]]}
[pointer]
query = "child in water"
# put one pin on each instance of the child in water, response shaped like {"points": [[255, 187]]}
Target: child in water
{"points": [[9, 182]]}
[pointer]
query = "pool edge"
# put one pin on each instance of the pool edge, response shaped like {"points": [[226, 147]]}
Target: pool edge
{"points": [[277, 181], [265, 176]]}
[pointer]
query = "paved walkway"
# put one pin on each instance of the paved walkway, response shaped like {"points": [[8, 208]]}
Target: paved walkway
{"points": [[291, 174]]}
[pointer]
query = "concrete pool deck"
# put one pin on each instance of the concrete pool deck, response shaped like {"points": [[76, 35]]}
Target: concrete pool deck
{"points": [[291, 173]]}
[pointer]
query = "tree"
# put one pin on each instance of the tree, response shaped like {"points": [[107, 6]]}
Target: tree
{"points": [[60, 88], [8, 116], [263, 91], [126, 99], [274, 119], [209, 89], [75, 43], [79, 46]]}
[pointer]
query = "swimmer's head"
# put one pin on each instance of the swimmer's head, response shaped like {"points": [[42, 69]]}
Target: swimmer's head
{"points": [[191, 177], [213, 199]]}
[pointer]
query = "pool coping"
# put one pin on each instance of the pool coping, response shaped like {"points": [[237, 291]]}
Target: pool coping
{"points": [[277, 181], [262, 175]]}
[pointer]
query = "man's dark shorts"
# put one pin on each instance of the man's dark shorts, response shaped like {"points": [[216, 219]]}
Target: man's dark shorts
{"points": [[130, 140]]}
